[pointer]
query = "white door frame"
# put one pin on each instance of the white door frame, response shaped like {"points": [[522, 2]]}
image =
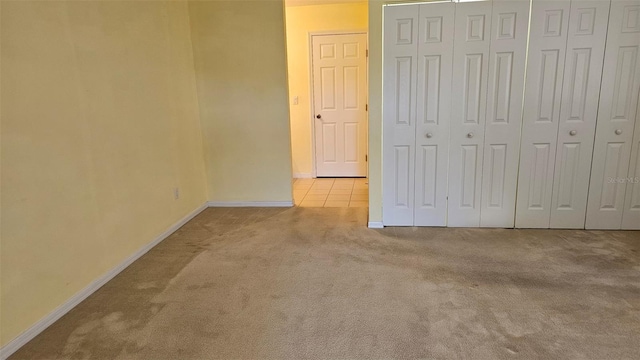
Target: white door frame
{"points": [[312, 114]]}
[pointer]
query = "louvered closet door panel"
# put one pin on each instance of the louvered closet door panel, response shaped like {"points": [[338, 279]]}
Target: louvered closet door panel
{"points": [[399, 113], [631, 213], [616, 118], [468, 110], [435, 55], [543, 91], [510, 22], [587, 33]]}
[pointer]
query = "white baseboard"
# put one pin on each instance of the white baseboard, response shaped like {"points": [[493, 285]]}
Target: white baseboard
{"points": [[302, 176], [15, 344], [250, 203], [375, 225]]}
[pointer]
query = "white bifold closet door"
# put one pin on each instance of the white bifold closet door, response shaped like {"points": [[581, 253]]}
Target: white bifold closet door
{"points": [[435, 57], [507, 60], [566, 49], [488, 80], [631, 212], [613, 193], [470, 74], [543, 92], [418, 53], [450, 71], [399, 114], [578, 112]]}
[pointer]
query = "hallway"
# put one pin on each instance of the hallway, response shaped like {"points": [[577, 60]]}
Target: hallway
{"points": [[329, 192]]}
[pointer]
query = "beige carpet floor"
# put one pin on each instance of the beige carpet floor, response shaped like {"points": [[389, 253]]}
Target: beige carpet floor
{"points": [[315, 283]]}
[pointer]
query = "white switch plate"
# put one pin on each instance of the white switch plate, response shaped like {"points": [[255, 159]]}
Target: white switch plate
{"points": [[295, 100]]}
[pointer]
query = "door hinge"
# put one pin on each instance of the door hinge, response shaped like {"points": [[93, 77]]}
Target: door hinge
{"points": [[367, 52], [366, 158], [366, 107]]}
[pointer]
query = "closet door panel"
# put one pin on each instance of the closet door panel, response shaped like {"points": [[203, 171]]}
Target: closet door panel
{"points": [[510, 23], [543, 92], [468, 111], [435, 55], [616, 117], [399, 113], [587, 33]]}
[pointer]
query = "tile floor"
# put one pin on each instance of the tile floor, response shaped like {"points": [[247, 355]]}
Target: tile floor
{"points": [[326, 192]]}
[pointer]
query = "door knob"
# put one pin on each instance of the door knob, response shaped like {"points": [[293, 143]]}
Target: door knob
{"points": [[318, 116], [573, 133], [470, 135], [429, 135], [618, 131]]}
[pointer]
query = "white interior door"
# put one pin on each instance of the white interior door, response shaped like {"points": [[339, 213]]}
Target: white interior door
{"points": [[339, 100], [543, 94], [587, 34], [616, 118], [435, 57], [399, 114], [509, 30], [470, 73]]}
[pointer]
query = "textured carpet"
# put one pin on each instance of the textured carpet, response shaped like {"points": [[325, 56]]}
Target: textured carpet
{"points": [[308, 283]]}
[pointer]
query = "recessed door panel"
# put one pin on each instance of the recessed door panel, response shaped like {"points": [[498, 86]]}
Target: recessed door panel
{"points": [[435, 57], [502, 87], [611, 179], [404, 83], [430, 184], [617, 113], [351, 91], [431, 88], [328, 88], [472, 95], [568, 175], [623, 86], [578, 82], [351, 142], [329, 140], [497, 167], [405, 29], [468, 168], [540, 181], [548, 83], [402, 175]]}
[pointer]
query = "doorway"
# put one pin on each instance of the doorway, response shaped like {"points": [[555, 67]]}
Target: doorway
{"points": [[327, 68], [306, 20]]}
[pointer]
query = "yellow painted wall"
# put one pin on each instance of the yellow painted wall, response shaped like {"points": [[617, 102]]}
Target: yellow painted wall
{"points": [[239, 48], [301, 20], [99, 124]]}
